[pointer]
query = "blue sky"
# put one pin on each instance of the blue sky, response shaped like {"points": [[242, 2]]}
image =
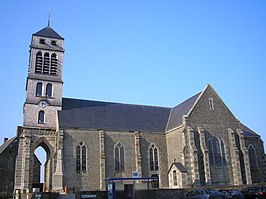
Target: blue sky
{"points": [[142, 52]]}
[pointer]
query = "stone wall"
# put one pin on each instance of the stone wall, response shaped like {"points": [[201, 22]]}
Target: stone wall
{"points": [[83, 180], [7, 167], [159, 139], [214, 122]]}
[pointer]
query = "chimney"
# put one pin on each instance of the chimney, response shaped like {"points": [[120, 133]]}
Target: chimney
{"points": [[5, 139]]}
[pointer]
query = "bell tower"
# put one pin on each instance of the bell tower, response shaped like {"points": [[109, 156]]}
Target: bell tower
{"points": [[44, 80], [43, 100]]}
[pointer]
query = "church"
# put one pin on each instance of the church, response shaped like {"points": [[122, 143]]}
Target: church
{"points": [[199, 142]]}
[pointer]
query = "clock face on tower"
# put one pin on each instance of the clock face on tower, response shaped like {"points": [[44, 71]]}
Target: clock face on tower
{"points": [[42, 104]]}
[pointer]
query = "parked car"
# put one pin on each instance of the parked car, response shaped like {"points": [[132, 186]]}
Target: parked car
{"points": [[236, 194], [258, 192], [232, 194], [226, 194], [198, 194], [215, 194], [204, 194]]}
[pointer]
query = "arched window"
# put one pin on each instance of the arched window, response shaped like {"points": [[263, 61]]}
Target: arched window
{"points": [[216, 151], [49, 88], [252, 158], [39, 89], [38, 63], [154, 158], [81, 157], [119, 154], [41, 117], [46, 64], [223, 153], [53, 64], [210, 149], [53, 43], [174, 178]]}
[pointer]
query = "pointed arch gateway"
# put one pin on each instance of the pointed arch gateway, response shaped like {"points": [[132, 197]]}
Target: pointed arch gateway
{"points": [[35, 171], [27, 171]]}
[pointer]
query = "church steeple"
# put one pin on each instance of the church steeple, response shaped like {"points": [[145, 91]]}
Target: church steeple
{"points": [[44, 81]]}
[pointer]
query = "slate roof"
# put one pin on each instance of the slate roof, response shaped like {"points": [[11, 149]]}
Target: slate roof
{"points": [[78, 113], [48, 32], [178, 111], [247, 132], [6, 144], [179, 166]]}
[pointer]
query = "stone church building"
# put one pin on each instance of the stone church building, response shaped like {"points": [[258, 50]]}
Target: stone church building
{"points": [[199, 142]]}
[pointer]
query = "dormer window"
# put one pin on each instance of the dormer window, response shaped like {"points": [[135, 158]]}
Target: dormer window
{"points": [[42, 41], [53, 43]]}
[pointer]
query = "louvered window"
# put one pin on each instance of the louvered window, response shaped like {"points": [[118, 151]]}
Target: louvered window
{"points": [[38, 64], [46, 64], [53, 64]]}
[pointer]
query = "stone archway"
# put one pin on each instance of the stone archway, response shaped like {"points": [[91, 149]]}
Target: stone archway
{"points": [[48, 166], [29, 140]]}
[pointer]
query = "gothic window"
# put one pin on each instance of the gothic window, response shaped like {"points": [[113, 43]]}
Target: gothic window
{"points": [[174, 178], [223, 153], [119, 154], [81, 157], [46, 64], [78, 162], [38, 64], [49, 88], [154, 158], [39, 89], [210, 149], [252, 158], [53, 64], [216, 151], [41, 117]]}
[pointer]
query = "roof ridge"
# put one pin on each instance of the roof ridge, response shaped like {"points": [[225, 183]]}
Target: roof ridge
{"points": [[121, 103]]}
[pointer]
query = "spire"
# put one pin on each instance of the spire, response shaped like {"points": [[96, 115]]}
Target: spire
{"points": [[49, 18]]}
